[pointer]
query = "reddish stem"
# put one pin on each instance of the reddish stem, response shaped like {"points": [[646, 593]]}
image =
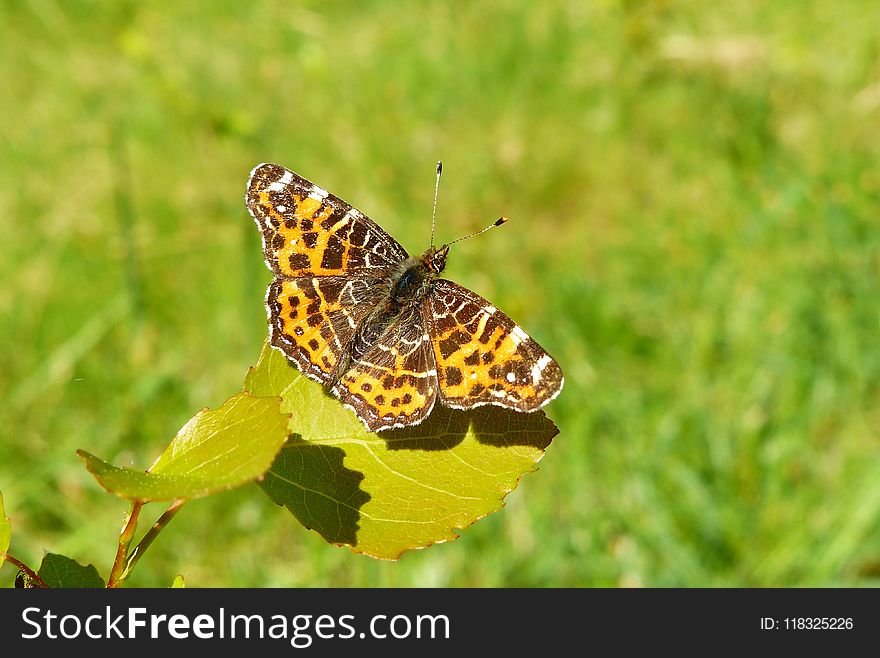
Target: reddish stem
{"points": [[118, 573], [30, 572]]}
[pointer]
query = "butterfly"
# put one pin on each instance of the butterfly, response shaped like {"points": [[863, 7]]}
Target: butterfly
{"points": [[351, 309]]}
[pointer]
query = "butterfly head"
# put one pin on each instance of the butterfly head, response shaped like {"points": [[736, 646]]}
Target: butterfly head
{"points": [[435, 259], [412, 280]]}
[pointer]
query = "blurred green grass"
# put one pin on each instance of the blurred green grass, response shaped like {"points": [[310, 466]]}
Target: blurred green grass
{"points": [[695, 199]]}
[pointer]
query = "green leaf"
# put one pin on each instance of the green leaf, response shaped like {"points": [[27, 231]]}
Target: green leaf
{"points": [[60, 571], [178, 582], [216, 450], [387, 492], [5, 532]]}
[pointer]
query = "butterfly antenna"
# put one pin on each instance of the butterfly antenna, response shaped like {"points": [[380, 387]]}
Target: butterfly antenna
{"points": [[436, 190], [497, 222]]}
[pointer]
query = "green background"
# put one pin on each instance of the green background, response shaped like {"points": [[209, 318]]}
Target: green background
{"points": [[694, 190]]}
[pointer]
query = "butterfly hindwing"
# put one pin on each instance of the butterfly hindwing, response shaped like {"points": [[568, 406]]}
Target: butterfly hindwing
{"points": [[483, 357], [394, 384], [313, 319]]}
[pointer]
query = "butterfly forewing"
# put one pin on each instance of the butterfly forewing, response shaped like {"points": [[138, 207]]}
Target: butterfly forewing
{"points": [[308, 231]]}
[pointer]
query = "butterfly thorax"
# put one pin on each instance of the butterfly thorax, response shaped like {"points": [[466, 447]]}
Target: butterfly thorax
{"points": [[408, 284], [411, 280]]}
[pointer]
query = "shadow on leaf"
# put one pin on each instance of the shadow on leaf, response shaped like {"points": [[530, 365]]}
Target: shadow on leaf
{"points": [[443, 429], [311, 481], [491, 425], [505, 428]]}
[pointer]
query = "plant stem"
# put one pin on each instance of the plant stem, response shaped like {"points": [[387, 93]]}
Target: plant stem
{"points": [[151, 534], [21, 565], [118, 573]]}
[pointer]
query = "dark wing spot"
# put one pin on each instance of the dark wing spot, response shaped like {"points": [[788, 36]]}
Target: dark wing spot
{"points": [[315, 319], [444, 323], [299, 261], [488, 330], [450, 345], [355, 257], [366, 387], [332, 257], [388, 383], [453, 376], [488, 357], [314, 345], [406, 399], [358, 234], [310, 239], [380, 399], [472, 359]]}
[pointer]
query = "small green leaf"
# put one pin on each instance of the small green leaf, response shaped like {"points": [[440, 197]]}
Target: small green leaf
{"points": [[5, 532], [387, 492], [60, 571], [216, 450], [178, 582]]}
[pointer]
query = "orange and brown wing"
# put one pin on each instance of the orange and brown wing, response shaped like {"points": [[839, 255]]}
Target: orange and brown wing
{"points": [[313, 320], [394, 384], [483, 357], [309, 232]]}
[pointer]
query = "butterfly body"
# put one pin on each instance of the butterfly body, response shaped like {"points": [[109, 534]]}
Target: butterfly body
{"points": [[413, 279], [379, 328]]}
